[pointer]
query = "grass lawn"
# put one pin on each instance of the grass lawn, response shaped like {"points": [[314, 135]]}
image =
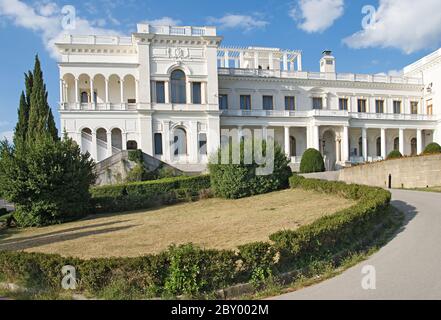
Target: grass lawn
{"points": [[211, 223]]}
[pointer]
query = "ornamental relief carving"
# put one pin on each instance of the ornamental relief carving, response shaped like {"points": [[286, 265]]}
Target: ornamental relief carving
{"points": [[179, 53]]}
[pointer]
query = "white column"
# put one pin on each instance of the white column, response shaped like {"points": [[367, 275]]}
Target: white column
{"points": [[167, 91], [137, 90], [383, 143], [419, 138], [240, 132], [241, 60], [345, 145], [61, 91], [285, 62], [316, 137], [188, 91], [299, 62], [77, 93], [364, 142], [256, 60], [401, 137], [107, 91], [109, 143], [287, 143], [94, 146], [264, 133], [271, 61], [121, 88], [92, 100], [203, 92], [124, 141], [226, 59]]}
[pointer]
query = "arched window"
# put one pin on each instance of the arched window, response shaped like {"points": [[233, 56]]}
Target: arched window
{"points": [[132, 145], [413, 147], [84, 97], [293, 146], [178, 86], [397, 144], [379, 147], [180, 142]]}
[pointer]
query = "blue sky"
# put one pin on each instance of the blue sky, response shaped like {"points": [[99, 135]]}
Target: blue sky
{"points": [[400, 32]]}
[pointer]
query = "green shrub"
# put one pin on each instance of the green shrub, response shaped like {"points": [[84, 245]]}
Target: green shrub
{"points": [[233, 181], [394, 154], [312, 161], [142, 195], [432, 148], [48, 181], [258, 260]]}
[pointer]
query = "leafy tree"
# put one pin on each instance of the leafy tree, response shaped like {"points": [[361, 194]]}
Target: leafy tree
{"points": [[312, 161], [48, 180]]}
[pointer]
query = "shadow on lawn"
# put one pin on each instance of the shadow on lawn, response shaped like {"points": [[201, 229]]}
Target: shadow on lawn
{"points": [[59, 236]]}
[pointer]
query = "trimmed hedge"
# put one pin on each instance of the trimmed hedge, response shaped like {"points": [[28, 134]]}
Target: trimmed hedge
{"points": [[394, 154], [187, 269], [432, 148], [312, 161], [142, 195]]}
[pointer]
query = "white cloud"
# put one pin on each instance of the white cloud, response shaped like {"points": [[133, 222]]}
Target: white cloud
{"points": [[8, 135], [404, 24], [317, 15], [48, 27], [236, 21], [164, 21]]}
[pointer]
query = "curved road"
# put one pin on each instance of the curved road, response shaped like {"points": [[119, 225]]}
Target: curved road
{"points": [[408, 267]]}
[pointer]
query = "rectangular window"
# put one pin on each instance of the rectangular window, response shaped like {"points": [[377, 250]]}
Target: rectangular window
{"points": [[202, 144], [197, 93], [343, 104], [397, 107], [290, 103], [429, 107], [245, 102], [414, 107], [317, 103], [379, 106], [158, 144], [268, 103], [160, 92], [362, 105], [223, 101]]}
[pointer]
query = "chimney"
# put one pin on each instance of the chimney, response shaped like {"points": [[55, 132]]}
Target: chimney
{"points": [[327, 62]]}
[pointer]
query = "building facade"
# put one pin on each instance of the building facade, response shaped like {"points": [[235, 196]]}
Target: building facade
{"points": [[172, 91]]}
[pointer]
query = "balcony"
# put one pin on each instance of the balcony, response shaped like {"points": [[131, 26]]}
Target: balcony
{"points": [[377, 78], [98, 106], [392, 116], [97, 40], [283, 113], [177, 31]]}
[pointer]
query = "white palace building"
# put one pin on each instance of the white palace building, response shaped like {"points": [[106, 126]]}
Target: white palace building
{"points": [[166, 83]]}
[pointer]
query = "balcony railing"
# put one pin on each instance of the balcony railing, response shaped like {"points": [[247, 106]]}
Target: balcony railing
{"points": [[392, 116], [378, 78], [98, 106], [177, 31], [100, 40]]}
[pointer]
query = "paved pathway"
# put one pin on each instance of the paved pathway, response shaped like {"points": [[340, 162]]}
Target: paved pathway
{"points": [[408, 267]]}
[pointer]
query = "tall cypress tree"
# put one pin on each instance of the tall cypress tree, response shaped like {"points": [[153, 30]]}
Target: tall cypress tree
{"points": [[29, 80], [22, 125], [41, 120]]}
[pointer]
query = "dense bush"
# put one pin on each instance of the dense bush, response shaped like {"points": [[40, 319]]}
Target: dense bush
{"points": [[142, 195], [48, 180], [233, 181], [187, 269], [312, 161], [432, 148], [136, 156], [394, 154]]}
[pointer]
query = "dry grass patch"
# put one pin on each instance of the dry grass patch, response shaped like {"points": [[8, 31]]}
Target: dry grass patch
{"points": [[212, 223]]}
